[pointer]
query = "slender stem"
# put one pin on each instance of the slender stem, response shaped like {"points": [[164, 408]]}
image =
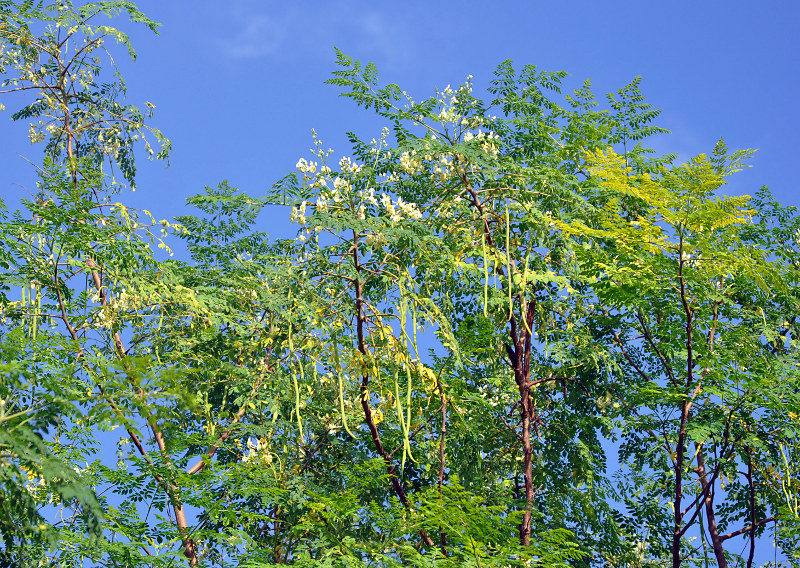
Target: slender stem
{"points": [[711, 520], [752, 489], [680, 444], [361, 321], [442, 434]]}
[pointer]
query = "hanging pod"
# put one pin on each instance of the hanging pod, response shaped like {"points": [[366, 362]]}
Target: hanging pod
{"points": [[341, 385]]}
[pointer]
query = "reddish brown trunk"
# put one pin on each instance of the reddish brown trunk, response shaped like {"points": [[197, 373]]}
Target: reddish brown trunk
{"points": [[364, 392], [172, 490], [677, 517], [527, 454], [708, 503], [685, 408], [519, 357]]}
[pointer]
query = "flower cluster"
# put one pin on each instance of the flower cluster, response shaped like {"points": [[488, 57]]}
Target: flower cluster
{"points": [[495, 395], [446, 166], [400, 209], [348, 167], [258, 451], [448, 100], [299, 214], [488, 141], [410, 164], [338, 191], [126, 302], [117, 306], [306, 168], [340, 186], [105, 317]]}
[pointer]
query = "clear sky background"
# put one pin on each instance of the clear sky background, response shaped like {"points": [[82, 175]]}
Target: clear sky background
{"points": [[238, 85]]}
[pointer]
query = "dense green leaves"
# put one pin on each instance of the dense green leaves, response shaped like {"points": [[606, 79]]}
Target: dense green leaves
{"points": [[483, 308]]}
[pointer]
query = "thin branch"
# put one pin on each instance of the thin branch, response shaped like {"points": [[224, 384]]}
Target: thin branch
{"points": [[748, 528]]}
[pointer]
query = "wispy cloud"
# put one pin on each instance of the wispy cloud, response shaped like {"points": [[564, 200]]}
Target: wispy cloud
{"points": [[260, 36], [391, 39], [683, 140], [271, 30]]}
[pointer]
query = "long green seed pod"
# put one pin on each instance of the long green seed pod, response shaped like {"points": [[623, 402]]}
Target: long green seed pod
{"points": [[508, 262], [22, 306], [35, 320], [405, 422], [341, 386], [485, 276], [296, 387], [524, 285], [408, 367], [407, 426], [401, 418], [786, 486], [297, 396]]}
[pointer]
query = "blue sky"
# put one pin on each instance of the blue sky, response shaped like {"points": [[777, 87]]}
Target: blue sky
{"points": [[239, 85]]}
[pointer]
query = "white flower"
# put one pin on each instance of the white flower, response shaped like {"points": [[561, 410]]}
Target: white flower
{"points": [[299, 214], [306, 167], [341, 184], [347, 166], [394, 216], [368, 196], [254, 449], [410, 164]]}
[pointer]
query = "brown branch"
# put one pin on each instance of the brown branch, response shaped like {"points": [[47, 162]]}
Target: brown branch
{"points": [[711, 519], [198, 467], [684, 417], [654, 346], [749, 528], [752, 504], [442, 434], [628, 357], [174, 491], [364, 392], [540, 381], [510, 428], [783, 335]]}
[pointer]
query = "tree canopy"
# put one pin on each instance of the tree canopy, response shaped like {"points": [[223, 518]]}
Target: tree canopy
{"points": [[505, 333]]}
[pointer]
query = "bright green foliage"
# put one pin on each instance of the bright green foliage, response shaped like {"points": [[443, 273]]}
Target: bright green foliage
{"points": [[430, 373], [61, 65], [29, 409], [453, 230], [695, 307]]}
